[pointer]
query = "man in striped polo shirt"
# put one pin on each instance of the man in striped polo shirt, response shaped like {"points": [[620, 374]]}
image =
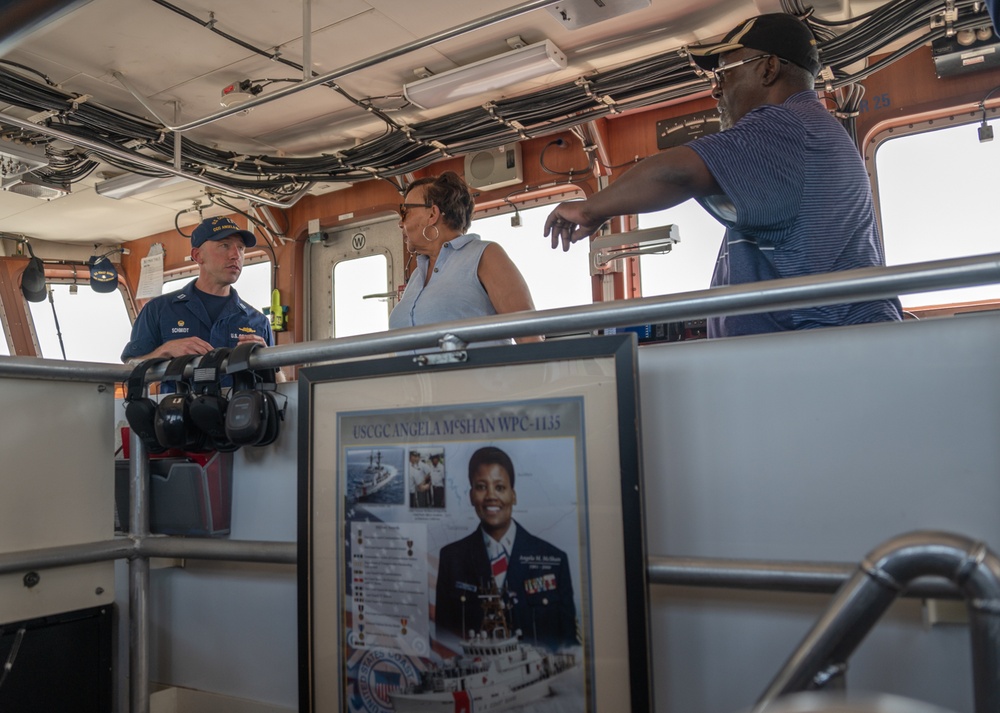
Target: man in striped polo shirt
{"points": [[783, 176]]}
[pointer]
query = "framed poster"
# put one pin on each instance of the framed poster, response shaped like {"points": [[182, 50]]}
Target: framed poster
{"points": [[471, 534]]}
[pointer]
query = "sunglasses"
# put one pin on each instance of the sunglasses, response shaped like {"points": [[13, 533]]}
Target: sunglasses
{"points": [[404, 208], [717, 75]]}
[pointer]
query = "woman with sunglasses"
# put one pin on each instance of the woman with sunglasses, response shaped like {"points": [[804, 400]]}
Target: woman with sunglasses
{"points": [[458, 275]]}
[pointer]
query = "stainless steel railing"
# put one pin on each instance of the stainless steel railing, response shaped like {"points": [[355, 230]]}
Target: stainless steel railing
{"points": [[828, 288], [879, 579]]}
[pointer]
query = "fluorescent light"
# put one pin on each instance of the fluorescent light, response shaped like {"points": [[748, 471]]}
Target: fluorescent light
{"points": [[132, 184], [659, 240], [486, 75]]}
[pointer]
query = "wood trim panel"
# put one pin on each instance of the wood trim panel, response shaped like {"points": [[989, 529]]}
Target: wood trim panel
{"points": [[909, 83], [15, 307]]}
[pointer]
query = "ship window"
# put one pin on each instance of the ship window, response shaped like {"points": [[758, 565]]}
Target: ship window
{"points": [[555, 279], [88, 325], [360, 301], [936, 191], [690, 263], [254, 285]]}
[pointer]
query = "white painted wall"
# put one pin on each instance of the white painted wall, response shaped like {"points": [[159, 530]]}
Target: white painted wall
{"points": [[815, 446]]}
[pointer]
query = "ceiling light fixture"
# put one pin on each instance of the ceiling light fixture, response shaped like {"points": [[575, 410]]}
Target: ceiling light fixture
{"points": [[658, 241], [132, 184], [486, 75]]}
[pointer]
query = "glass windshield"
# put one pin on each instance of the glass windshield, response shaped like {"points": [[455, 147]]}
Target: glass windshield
{"points": [[936, 189]]}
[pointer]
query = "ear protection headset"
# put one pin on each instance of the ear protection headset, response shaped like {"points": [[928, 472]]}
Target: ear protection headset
{"points": [[275, 415], [173, 425], [140, 412], [252, 416], [208, 406]]}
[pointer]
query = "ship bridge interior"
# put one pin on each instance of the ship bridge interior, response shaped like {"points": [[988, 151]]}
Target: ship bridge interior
{"points": [[747, 519]]}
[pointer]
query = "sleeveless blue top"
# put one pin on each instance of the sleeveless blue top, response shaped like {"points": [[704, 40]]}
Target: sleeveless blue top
{"points": [[453, 291]]}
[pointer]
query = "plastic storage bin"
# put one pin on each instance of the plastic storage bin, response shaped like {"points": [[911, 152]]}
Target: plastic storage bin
{"points": [[189, 495]]}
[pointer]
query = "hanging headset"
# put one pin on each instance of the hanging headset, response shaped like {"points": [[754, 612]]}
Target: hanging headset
{"points": [[208, 406], [173, 425], [252, 416], [140, 412]]}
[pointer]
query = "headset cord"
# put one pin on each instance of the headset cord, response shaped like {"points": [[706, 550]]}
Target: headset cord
{"points": [[12, 655]]}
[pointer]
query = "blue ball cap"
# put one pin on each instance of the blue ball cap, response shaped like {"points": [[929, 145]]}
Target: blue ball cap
{"points": [[103, 274], [219, 229], [33, 280]]}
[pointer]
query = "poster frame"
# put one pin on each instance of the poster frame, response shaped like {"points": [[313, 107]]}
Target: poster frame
{"points": [[596, 364]]}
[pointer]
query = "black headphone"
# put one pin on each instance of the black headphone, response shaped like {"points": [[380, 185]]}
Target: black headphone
{"points": [[252, 416], [140, 412], [208, 406], [173, 425]]}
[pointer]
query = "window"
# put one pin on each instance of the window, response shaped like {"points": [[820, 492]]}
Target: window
{"points": [[254, 285], [555, 279], [937, 194], [356, 310], [92, 326], [689, 265]]}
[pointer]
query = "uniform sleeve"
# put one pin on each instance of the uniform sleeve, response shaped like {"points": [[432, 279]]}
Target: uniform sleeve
{"points": [[760, 165], [145, 335], [445, 616]]}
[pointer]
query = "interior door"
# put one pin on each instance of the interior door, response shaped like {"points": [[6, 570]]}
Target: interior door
{"points": [[355, 277]]}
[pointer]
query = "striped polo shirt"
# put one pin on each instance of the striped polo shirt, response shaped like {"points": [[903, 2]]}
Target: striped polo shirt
{"points": [[797, 202]]}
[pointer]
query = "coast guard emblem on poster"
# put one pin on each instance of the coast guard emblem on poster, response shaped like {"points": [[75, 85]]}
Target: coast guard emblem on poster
{"points": [[379, 674]]}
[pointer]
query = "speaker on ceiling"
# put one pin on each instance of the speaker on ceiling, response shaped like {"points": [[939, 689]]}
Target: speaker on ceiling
{"points": [[495, 168]]}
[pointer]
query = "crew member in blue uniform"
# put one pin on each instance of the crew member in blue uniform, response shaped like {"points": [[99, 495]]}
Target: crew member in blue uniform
{"points": [[207, 313], [531, 574]]}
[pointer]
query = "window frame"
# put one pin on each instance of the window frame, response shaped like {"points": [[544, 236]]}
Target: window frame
{"points": [[967, 116], [62, 275]]}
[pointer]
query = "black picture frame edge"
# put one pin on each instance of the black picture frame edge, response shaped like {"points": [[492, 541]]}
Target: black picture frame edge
{"points": [[634, 525], [304, 535]]}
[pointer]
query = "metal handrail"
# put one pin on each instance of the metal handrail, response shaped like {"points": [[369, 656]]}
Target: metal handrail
{"points": [[879, 579], [773, 576], [709, 572], [828, 288]]}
